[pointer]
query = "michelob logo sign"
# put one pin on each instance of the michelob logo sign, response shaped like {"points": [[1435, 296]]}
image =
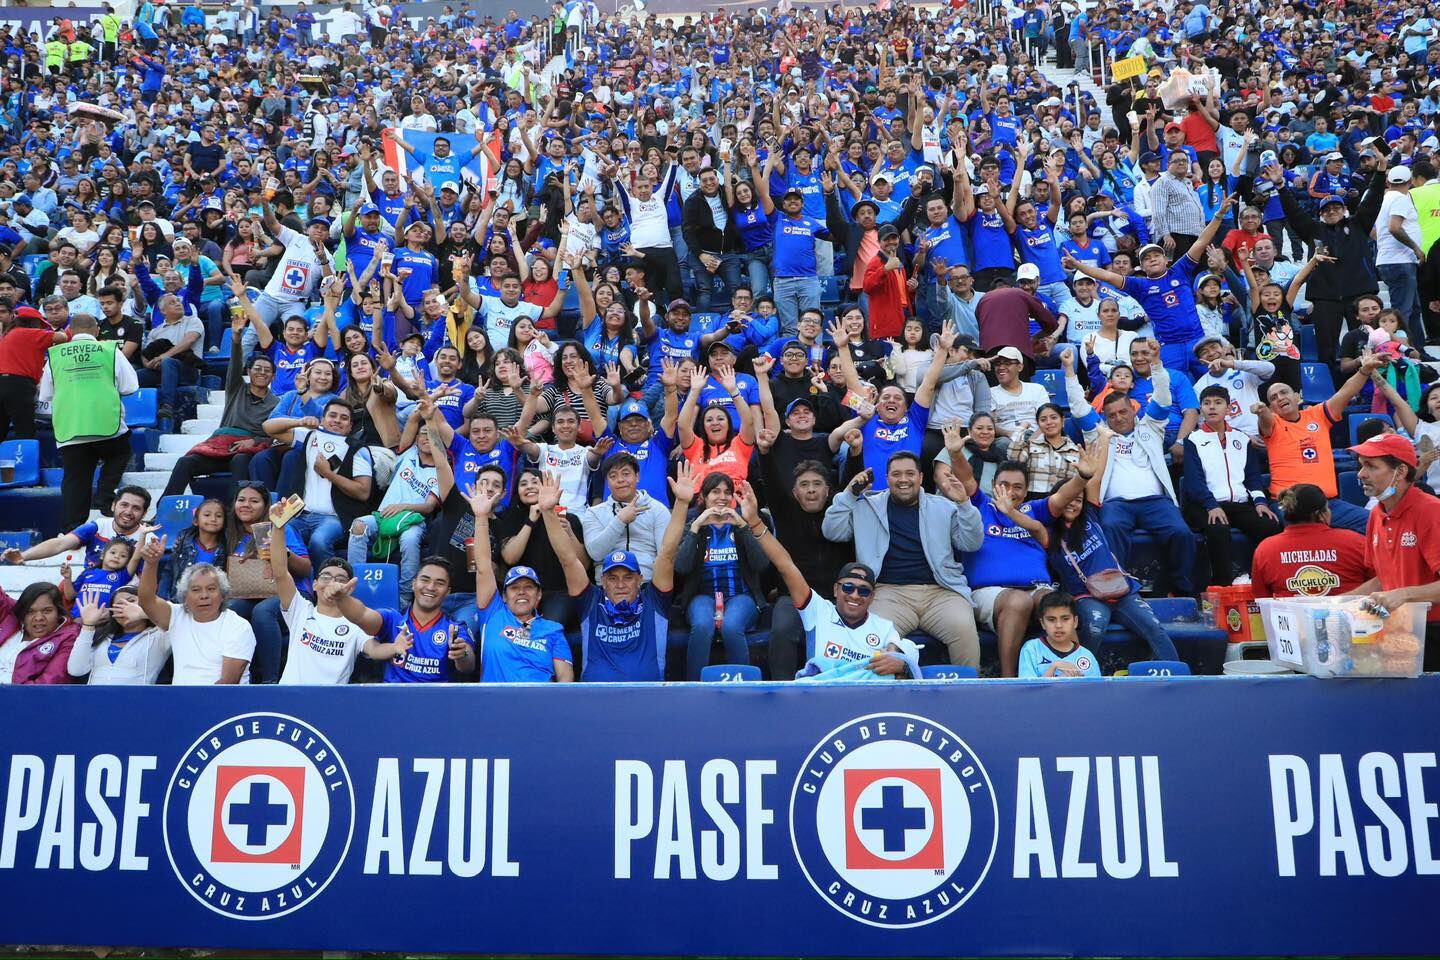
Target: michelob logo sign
{"points": [[1312, 581]]}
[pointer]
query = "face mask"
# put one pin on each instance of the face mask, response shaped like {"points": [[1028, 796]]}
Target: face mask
{"points": [[1389, 491]]}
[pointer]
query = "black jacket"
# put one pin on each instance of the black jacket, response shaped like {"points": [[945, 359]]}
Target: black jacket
{"points": [[697, 221], [1353, 271]]}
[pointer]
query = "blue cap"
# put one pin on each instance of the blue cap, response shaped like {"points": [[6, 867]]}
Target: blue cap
{"points": [[522, 573], [367, 208], [1149, 156], [323, 221], [620, 559], [633, 408]]}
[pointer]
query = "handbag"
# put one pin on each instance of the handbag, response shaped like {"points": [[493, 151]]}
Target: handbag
{"points": [[250, 578], [1110, 584], [223, 446]]}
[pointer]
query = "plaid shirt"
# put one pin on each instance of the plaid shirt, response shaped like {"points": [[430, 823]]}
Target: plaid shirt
{"points": [[1048, 465], [1175, 208]]}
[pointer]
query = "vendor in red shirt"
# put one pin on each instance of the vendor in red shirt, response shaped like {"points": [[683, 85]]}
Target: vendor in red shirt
{"points": [[23, 343], [1402, 539], [1309, 558]]}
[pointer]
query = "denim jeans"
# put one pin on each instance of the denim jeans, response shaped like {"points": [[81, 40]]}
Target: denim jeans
{"points": [[1159, 517], [269, 626], [320, 531], [359, 552], [739, 616], [461, 608], [1401, 280], [173, 374], [757, 268], [713, 290], [1134, 613], [793, 294], [213, 315]]}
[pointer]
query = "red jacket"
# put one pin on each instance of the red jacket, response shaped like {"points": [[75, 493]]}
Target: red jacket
{"points": [[889, 298], [44, 661]]}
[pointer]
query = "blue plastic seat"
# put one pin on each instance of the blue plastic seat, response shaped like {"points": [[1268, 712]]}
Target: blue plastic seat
{"points": [[16, 539], [944, 671], [730, 673], [1309, 345], [829, 290], [1054, 382], [176, 512], [313, 314], [1349, 486], [226, 344], [1358, 418], [142, 407], [1316, 384], [25, 454], [34, 264], [378, 586], [1160, 668]]}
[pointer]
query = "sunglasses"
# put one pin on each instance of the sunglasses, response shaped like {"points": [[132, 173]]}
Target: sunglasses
{"points": [[858, 589]]}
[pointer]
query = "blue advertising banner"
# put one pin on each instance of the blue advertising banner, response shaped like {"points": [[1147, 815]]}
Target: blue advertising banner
{"points": [[1117, 817], [39, 20]]}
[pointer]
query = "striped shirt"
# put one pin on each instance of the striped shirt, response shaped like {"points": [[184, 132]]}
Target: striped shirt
{"points": [[1175, 208]]}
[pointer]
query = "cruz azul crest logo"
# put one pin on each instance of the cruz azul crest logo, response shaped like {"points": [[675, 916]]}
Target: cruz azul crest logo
{"points": [[259, 815], [894, 820]]}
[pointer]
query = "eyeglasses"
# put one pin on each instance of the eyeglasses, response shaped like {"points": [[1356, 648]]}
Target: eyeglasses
{"points": [[331, 578], [858, 589]]}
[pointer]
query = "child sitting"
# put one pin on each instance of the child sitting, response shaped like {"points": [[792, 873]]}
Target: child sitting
{"points": [[1058, 653], [118, 564]]}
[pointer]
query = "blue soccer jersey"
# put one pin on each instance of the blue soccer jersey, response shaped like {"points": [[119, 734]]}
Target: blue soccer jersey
{"points": [[428, 661], [884, 439], [624, 645], [515, 652], [1169, 301], [1009, 556]]}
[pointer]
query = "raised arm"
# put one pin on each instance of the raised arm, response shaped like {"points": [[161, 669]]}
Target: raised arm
{"points": [[683, 488], [156, 609], [779, 557]]}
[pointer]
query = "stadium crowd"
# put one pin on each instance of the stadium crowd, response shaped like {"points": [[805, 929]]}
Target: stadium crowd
{"points": [[596, 324]]}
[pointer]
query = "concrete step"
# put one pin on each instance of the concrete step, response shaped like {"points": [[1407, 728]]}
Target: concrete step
{"points": [[164, 462], [149, 479], [210, 411], [15, 579], [177, 443], [201, 428]]}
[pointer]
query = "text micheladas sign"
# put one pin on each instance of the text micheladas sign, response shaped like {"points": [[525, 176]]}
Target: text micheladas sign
{"points": [[912, 819]]}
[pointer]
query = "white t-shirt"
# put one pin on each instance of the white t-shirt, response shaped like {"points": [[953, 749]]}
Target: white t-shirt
{"points": [[1080, 320], [499, 317], [299, 270], [571, 467], [836, 641], [1014, 411], [319, 443], [200, 649], [1130, 476], [1388, 250], [322, 649]]}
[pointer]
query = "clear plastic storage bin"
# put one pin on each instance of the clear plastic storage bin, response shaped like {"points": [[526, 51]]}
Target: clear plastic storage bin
{"points": [[1337, 637]]}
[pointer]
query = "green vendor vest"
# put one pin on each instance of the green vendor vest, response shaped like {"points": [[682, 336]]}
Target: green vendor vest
{"points": [[87, 403]]}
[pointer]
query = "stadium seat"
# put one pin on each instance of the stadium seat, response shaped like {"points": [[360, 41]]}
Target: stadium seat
{"points": [[176, 512], [1316, 384], [1349, 486], [944, 671], [34, 264], [379, 585], [25, 455], [52, 477], [729, 673], [218, 361], [1054, 382], [141, 407], [829, 291], [16, 539], [1160, 668], [253, 293], [1309, 347], [1358, 418]]}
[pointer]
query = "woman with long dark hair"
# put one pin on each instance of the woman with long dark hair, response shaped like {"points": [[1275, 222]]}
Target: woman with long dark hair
{"points": [[118, 645], [718, 447], [1079, 551]]}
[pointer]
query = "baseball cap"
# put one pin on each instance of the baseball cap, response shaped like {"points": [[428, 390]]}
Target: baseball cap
{"points": [[1027, 271], [882, 175], [887, 230], [1147, 248], [856, 571], [1332, 199], [799, 402], [721, 344], [28, 313], [1149, 156], [214, 204], [1082, 278], [979, 190], [679, 304], [793, 191], [623, 560], [1334, 155], [633, 408], [450, 185], [323, 221], [1399, 174], [522, 573], [1204, 342], [1385, 445], [1010, 353], [865, 202], [367, 208], [1172, 125], [21, 198]]}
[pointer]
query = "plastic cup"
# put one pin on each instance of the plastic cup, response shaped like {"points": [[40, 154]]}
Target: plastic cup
{"points": [[7, 471]]}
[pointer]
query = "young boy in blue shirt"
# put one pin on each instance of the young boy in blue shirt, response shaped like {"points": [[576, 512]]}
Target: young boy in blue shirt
{"points": [[1058, 653]]}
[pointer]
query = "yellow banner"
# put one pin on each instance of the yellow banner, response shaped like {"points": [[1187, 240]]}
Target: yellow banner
{"points": [[1127, 68]]}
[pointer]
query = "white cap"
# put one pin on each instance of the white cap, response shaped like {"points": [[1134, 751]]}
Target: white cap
{"points": [[450, 185], [1334, 155], [1027, 271], [1398, 175]]}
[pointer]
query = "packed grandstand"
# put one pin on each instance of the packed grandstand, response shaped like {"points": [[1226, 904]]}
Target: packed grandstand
{"points": [[834, 344]]}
